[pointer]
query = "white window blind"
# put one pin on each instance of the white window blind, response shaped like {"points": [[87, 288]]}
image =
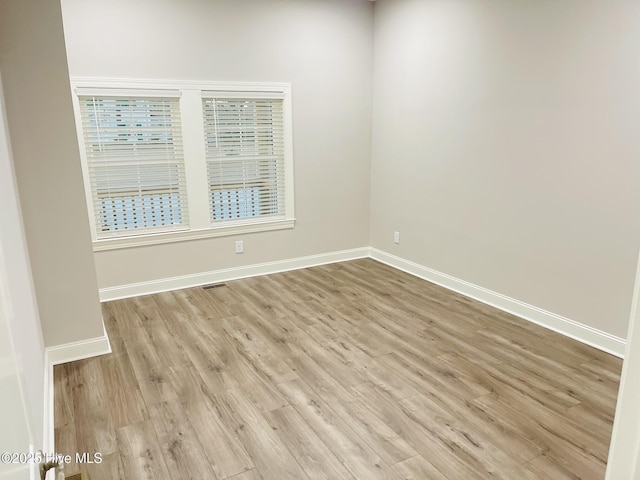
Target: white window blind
{"points": [[245, 151], [135, 163]]}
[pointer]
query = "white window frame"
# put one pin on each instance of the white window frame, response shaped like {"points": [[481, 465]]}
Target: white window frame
{"points": [[200, 225]]}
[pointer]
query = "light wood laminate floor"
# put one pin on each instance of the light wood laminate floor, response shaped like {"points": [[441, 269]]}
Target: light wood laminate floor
{"points": [[346, 371]]}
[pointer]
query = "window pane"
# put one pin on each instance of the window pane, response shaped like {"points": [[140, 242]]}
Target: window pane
{"points": [[135, 164], [245, 157]]}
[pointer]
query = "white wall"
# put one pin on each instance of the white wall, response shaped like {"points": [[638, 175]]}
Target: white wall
{"points": [[21, 343], [505, 147], [48, 172], [322, 47]]}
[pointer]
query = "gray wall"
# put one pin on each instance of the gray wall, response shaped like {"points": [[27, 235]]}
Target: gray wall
{"points": [[505, 147], [322, 47], [47, 165]]}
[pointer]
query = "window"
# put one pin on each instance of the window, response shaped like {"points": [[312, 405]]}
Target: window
{"points": [[170, 162], [135, 164], [245, 156]]}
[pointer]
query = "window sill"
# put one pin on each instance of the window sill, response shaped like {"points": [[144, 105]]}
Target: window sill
{"points": [[183, 236]]}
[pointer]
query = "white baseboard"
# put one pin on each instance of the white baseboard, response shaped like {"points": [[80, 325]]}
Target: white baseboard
{"points": [[49, 395], [228, 274], [570, 328], [71, 352], [68, 352]]}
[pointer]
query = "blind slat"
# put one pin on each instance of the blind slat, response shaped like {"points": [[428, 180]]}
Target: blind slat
{"points": [[242, 95], [126, 92]]}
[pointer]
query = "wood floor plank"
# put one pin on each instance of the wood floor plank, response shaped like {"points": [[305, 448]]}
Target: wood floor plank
{"points": [[110, 467], [204, 304], [214, 370], [353, 451], [110, 312], [315, 458], [263, 354], [379, 436], [65, 442], [574, 434], [566, 452], [256, 385], [352, 371], [169, 347], [454, 454], [302, 312], [124, 400], [503, 377], [417, 468], [595, 421], [183, 453], [223, 447], [479, 443], [341, 347], [544, 467], [253, 474], [63, 403], [148, 368], [183, 318], [471, 416], [421, 374], [91, 411], [317, 348], [142, 457], [270, 455]]}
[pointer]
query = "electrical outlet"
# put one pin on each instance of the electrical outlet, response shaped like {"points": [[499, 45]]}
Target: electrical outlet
{"points": [[239, 246], [396, 237]]}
